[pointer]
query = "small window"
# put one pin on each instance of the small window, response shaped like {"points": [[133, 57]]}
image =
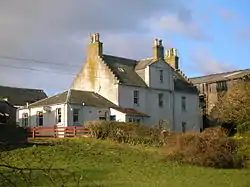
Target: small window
{"points": [[39, 119], [25, 119], [161, 76], [112, 117], [59, 115], [160, 100], [138, 121], [183, 127], [130, 120], [136, 97], [121, 69], [183, 103], [75, 115]]}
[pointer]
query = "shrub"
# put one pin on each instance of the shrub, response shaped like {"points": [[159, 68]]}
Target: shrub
{"points": [[12, 134], [243, 127], [212, 148], [122, 132]]}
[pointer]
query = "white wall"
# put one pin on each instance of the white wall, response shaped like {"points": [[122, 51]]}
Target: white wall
{"points": [[154, 76], [148, 103], [49, 118], [96, 76], [191, 115], [119, 115], [86, 113]]}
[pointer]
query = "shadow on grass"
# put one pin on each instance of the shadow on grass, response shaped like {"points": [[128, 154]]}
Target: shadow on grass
{"points": [[50, 177], [13, 146]]}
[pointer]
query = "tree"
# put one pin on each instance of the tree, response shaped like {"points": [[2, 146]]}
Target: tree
{"points": [[234, 105]]}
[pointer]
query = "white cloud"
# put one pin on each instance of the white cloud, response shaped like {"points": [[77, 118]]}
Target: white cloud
{"points": [[205, 63], [57, 31], [181, 23]]}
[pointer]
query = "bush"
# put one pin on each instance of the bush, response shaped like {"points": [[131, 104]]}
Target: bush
{"points": [[122, 132], [12, 134], [243, 127], [212, 148]]}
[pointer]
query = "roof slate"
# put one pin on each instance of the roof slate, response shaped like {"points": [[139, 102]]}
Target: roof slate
{"points": [[220, 76], [75, 97], [125, 71], [20, 96]]}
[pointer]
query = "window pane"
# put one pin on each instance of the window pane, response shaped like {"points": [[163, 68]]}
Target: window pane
{"points": [[183, 103], [161, 75], [75, 115], [136, 97], [160, 99]]}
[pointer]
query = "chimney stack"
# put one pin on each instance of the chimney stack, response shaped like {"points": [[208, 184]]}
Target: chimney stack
{"points": [[95, 46], [158, 50], [172, 58]]}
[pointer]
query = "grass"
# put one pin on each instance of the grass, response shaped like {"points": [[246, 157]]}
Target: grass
{"points": [[92, 162]]}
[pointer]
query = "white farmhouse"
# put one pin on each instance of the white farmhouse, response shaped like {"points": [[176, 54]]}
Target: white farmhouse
{"points": [[147, 91]]}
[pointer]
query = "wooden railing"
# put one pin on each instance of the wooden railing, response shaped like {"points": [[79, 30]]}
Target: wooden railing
{"points": [[54, 131]]}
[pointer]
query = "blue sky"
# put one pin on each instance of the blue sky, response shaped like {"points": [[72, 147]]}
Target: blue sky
{"points": [[210, 36], [223, 22]]}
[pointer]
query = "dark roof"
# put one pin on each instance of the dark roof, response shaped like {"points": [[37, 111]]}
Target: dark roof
{"points": [[125, 70], [142, 64], [75, 97], [220, 76], [131, 112], [55, 99], [20, 96], [3, 105], [182, 85], [89, 99]]}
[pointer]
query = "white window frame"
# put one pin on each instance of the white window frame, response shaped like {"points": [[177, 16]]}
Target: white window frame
{"points": [[25, 119], [136, 97], [59, 115]]}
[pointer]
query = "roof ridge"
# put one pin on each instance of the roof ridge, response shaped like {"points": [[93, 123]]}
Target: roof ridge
{"points": [[48, 98], [125, 58], [35, 89], [220, 73]]}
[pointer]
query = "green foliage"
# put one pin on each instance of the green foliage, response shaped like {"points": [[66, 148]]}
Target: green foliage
{"points": [[121, 132], [89, 162], [244, 127], [212, 148], [234, 106]]}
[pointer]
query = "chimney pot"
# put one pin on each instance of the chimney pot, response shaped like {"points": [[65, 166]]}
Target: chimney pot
{"points": [[158, 50]]}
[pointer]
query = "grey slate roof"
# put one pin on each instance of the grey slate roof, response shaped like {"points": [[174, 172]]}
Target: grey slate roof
{"points": [[128, 76], [220, 76], [20, 96], [131, 78], [181, 84], [142, 64], [75, 97]]}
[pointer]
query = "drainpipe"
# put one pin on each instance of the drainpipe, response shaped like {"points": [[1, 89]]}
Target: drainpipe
{"points": [[66, 107], [29, 120], [173, 102]]}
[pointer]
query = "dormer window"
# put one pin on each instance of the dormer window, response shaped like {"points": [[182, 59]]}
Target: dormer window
{"points": [[121, 69], [161, 76]]}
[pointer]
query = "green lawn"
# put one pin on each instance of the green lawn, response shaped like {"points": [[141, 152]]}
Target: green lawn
{"points": [[101, 163]]}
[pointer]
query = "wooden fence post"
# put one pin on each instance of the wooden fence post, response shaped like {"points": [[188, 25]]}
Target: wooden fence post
{"points": [[74, 131], [55, 133], [33, 132]]}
